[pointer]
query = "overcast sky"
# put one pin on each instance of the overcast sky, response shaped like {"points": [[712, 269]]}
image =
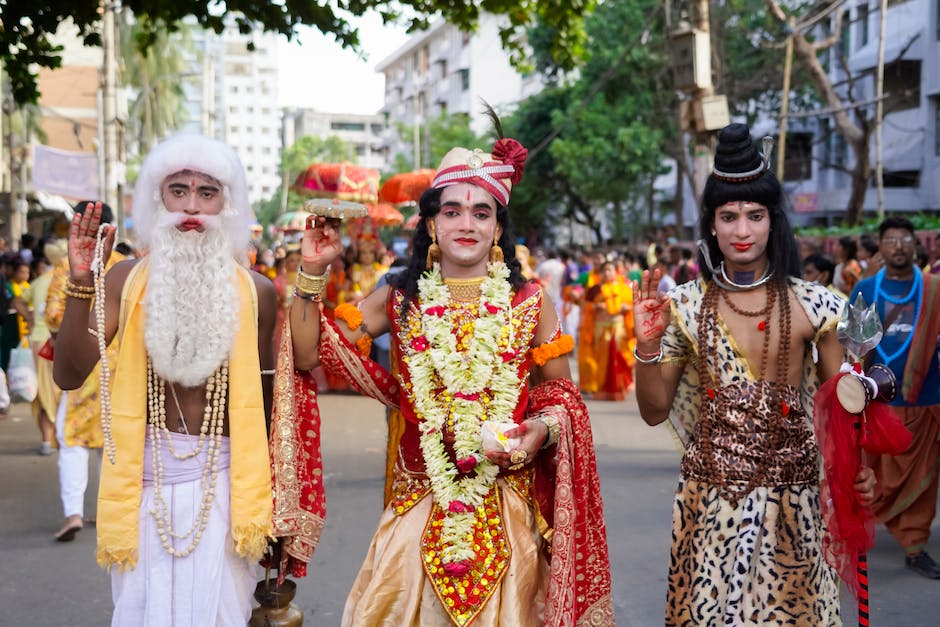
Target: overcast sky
{"points": [[317, 72]]}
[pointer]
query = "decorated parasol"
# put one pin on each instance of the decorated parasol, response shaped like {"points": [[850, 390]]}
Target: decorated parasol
{"points": [[343, 181], [384, 214], [406, 187], [851, 415]]}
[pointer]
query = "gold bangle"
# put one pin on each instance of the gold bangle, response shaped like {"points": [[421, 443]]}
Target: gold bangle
{"points": [[554, 430], [75, 287], [308, 284], [79, 295]]}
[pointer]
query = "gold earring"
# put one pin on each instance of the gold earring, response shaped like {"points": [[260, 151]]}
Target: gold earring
{"points": [[496, 253], [434, 251]]}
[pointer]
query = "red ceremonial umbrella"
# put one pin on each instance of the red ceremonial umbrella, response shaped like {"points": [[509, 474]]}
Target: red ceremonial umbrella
{"points": [[345, 181], [384, 214], [406, 186]]}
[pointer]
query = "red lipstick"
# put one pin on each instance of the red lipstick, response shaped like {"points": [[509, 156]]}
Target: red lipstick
{"points": [[190, 224], [742, 246]]}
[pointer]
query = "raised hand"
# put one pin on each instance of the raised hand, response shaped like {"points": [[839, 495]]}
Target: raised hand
{"points": [[83, 237], [651, 312], [320, 244]]}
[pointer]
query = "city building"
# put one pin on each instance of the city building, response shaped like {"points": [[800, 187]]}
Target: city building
{"points": [[364, 133], [816, 181], [235, 101], [444, 70]]}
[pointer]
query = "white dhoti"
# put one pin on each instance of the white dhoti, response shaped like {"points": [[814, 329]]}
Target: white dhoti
{"points": [[213, 585]]}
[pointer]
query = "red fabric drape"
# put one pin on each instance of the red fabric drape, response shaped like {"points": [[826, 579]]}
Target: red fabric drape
{"points": [[842, 436]]}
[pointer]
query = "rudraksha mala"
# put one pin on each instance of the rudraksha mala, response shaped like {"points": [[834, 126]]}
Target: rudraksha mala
{"points": [[709, 336]]}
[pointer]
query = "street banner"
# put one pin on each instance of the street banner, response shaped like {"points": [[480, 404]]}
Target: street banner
{"points": [[64, 172]]}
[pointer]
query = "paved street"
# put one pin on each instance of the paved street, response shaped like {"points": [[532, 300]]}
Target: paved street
{"points": [[49, 584]]}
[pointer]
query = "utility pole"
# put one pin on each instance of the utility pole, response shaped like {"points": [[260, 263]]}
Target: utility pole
{"points": [[112, 178], [287, 140], [701, 112], [879, 111]]}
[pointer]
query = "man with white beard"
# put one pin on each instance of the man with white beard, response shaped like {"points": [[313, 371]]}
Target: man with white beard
{"points": [[185, 503]]}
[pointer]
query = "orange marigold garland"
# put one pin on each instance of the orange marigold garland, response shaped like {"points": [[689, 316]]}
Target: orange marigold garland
{"points": [[351, 315], [544, 353]]}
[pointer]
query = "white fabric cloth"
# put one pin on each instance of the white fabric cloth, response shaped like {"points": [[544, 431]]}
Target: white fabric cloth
{"points": [[213, 585], [73, 467]]}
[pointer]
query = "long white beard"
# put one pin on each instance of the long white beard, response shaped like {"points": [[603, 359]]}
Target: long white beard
{"points": [[191, 304]]}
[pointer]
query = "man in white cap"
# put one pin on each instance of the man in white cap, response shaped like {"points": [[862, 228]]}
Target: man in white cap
{"points": [[472, 529], [185, 504]]}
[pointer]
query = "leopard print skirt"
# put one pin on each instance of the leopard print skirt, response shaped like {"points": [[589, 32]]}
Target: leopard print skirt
{"points": [[759, 563]]}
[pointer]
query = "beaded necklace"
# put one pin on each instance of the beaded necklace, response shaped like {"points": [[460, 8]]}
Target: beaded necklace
{"points": [[914, 295], [104, 371], [210, 438], [709, 336]]}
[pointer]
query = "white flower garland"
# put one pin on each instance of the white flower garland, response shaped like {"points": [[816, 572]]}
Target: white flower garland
{"points": [[480, 384]]}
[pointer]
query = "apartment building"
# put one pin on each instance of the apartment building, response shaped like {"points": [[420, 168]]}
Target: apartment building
{"points": [[444, 70], [363, 132], [911, 127], [235, 100]]}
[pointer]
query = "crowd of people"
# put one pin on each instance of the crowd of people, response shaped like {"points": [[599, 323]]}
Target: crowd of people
{"points": [[193, 368]]}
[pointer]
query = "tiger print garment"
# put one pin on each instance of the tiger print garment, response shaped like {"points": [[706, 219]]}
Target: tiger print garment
{"points": [[755, 559]]}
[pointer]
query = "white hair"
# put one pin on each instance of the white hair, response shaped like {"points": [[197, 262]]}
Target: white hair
{"points": [[194, 153], [191, 302]]}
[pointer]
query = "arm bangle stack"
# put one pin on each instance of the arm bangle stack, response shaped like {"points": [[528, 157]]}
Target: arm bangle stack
{"points": [[311, 286], [81, 292], [648, 359], [554, 430]]}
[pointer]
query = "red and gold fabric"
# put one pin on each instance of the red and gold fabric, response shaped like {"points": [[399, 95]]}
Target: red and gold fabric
{"points": [[560, 491], [296, 463]]}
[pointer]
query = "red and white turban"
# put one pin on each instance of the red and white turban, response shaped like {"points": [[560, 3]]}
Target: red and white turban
{"points": [[496, 172]]}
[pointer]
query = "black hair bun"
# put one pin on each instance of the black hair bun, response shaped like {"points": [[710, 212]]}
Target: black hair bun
{"points": [[736, 152]]}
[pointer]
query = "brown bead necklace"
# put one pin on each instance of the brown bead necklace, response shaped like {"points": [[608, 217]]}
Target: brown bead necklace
{"points": [[709, 335]]}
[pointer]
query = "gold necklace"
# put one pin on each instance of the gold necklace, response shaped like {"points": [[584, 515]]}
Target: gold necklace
{"points": [[465, 290]]}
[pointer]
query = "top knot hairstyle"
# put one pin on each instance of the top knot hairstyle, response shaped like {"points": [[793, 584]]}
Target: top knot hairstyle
{"points": [[742, 173]]}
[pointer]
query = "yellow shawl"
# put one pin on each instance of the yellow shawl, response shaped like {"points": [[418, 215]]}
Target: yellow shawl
{"points": [[119, 496]]}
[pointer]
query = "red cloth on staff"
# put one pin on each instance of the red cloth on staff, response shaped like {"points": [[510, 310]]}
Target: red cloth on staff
{"points": [[849, 524]]}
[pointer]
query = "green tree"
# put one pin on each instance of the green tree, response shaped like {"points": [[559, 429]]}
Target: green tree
{"points": [[608, 125], [547, 191], [28, 24], [159, 106]]}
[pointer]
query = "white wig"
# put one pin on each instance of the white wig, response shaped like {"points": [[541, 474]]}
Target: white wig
{"points": [[195, 153]]}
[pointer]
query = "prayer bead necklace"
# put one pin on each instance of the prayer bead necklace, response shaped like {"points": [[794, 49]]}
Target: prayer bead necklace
{"points": [[210, 437], [709, 338], [104, 371]]}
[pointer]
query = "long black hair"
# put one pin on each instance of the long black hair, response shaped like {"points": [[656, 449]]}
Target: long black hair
{"points": [[428, 207], [782, 252]]}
